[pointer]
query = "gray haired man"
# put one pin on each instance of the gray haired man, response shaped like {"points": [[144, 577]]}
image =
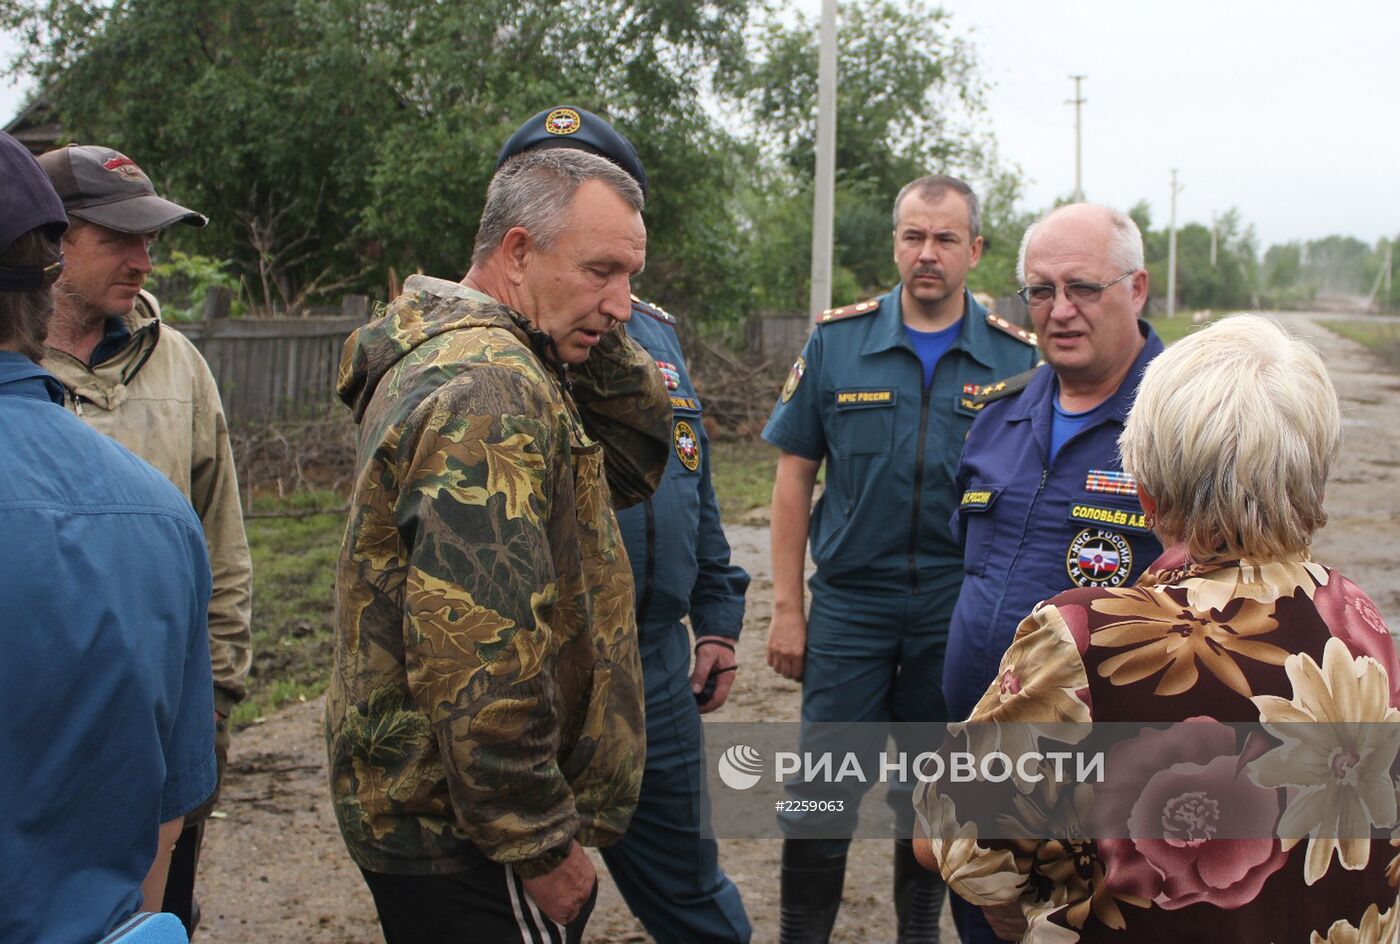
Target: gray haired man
{"points": [[485, 711]]}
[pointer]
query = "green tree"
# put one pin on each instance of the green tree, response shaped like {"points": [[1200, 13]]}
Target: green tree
{"points": [[332, 141], [904, 108]]}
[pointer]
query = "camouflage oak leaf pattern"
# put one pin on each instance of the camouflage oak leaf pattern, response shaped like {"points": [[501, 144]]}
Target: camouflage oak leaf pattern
{"points": [[486, 699]]}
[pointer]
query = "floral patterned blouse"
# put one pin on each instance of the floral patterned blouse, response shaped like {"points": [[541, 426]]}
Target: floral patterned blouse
{"points": [[1288, 648]]}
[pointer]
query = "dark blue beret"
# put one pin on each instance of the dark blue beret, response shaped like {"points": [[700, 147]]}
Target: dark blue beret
{"points": [[567, 126]]}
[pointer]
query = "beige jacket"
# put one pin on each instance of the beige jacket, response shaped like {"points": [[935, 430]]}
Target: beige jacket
{"points": [[158, 398]]}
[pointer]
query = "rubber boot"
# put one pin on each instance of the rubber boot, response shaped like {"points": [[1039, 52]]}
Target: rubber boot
{"points": [[918, 897], [811, 891]]}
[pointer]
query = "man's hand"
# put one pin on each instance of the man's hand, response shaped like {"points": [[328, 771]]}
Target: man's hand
{"points": [[1007, 921], [714, 654], [787, 643], [562, 892]]}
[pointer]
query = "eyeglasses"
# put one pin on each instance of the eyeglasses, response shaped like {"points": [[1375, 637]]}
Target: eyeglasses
{"points": [[1039, 296]]}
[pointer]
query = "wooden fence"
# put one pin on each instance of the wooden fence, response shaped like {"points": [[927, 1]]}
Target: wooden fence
{"points": [[274, 368]]}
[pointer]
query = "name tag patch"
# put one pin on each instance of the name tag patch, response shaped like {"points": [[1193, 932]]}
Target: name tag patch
{"points": [[978, 498], [1124, 519], [855, 399], [1110, 482]]}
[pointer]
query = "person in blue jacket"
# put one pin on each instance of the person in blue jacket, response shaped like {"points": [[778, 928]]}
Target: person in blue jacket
{"points": [[105, 684], [1043, 502], [881, 395], [667, 864]]}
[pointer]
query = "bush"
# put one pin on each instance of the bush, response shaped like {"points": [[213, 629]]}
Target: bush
{"points": [[182, 281]]}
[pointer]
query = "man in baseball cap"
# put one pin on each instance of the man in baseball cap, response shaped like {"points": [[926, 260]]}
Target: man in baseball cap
{"points": [[667, 864], [106, 187], [149, 388], [105, 685]]}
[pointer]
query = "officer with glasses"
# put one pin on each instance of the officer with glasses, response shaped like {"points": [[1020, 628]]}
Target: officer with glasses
{"points": [[1043, 502]]}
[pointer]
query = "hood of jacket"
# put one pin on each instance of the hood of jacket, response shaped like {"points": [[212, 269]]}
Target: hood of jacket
{"points": [[426, 308]]}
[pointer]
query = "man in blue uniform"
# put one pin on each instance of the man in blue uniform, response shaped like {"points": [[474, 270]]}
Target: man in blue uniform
{"points": [[667, 865], [1043, 502], [881, 393]]}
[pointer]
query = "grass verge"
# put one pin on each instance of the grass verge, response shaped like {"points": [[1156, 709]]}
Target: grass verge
{"points": [[293, 600], [1171, 330], [294, 554], [1381, 337], [742, 470]]}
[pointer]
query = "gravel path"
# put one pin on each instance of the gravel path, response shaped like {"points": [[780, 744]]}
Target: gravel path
{"points": [[275, 870]]}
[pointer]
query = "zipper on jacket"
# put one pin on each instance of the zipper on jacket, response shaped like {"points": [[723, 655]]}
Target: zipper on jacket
{"points": [[649, 571], [918, 490]]}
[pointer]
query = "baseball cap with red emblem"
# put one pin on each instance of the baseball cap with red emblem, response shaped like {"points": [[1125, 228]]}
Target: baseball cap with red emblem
{"points": [[106, 187]]}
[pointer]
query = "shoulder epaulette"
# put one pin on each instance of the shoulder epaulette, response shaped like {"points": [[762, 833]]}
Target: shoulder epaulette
{"points": [[1019, 333], [850, 311], [647, 308], [1003, 388]]}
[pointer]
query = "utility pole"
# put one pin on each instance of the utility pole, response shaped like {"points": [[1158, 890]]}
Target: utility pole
{"points": [[1214, 237], [823, 195], [1077, 101], [1382, 279], [1171, 250], [1389, 258]]}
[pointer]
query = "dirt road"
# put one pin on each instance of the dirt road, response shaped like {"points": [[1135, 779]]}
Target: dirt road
{"points": [[275, 870]]}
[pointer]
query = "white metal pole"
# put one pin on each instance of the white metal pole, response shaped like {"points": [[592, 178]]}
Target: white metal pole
{"points": [[1171, 253], [1077, 101], [824, 186]]}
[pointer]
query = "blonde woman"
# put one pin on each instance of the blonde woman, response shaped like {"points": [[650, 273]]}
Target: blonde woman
{"points": [[1230, 440]]}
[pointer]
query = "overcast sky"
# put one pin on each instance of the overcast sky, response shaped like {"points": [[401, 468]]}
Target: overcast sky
{"points": [[1283, 109]]}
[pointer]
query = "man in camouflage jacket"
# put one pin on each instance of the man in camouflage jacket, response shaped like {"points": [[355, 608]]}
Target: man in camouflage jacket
{"points": [[484, 717]]}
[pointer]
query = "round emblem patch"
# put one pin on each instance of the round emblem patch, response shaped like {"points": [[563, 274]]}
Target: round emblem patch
{"points": [[799, 368], [1099, 558], [687, 445], [562, 121]]}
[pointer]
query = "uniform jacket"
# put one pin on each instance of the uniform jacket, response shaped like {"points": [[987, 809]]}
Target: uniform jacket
{"points": [[486, 698], [856, 399], [680, 556], [157, 397], [1255, 656], [1030, 528]]}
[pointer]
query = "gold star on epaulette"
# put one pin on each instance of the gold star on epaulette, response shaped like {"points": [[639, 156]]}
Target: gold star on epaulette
{"points": [[1016, 331], [1001, 388], [655, 311], [850, 311]]}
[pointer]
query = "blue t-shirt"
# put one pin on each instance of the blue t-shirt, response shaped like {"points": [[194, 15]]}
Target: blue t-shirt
{"points": [[106, 694], [1064, 424], [931, 345]]}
